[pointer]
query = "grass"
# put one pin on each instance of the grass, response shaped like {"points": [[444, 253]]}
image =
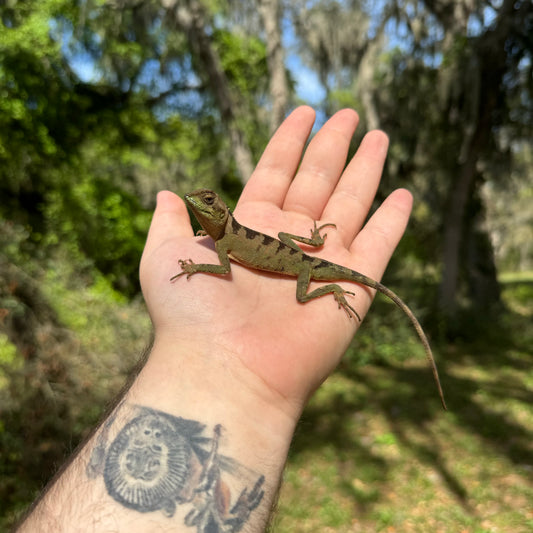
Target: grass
{"points": [[375, 452]]}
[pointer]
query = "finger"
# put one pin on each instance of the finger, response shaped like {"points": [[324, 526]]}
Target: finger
{"points": [[170, 220], [279, 162], [352, 198], [322, 165], [374, 245]]}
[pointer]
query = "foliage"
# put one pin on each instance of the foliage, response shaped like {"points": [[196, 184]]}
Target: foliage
{"points": [[59, 337], [512, 238], [446, 89], [81, 161]]}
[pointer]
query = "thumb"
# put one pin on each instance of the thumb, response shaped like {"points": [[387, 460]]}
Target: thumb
{"points": [[170, 220]]}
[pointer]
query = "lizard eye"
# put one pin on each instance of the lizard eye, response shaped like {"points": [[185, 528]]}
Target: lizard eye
{"points": [[209, 200]]}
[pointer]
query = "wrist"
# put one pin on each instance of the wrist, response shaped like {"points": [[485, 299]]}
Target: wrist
{"points": [[205, 382], [240, 419]]}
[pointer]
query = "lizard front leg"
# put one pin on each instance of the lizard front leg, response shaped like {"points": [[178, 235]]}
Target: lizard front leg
{"points": [[302, 285], [315, 240], [189, 267]]}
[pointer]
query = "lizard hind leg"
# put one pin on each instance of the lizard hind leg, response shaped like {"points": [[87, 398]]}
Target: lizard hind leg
{"points": [[332, 288]]}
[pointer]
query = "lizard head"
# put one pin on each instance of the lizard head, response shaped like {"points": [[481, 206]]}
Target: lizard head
{"points": [[210, 211]]}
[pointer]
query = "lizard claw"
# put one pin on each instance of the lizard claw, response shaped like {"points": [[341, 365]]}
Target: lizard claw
{"points": [[176, 276], [315, 233], [341, 300], [187, 267]]}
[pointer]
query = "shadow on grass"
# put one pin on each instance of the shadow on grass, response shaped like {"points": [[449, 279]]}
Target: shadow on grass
{"points": [[484, 376], [331, 426]]}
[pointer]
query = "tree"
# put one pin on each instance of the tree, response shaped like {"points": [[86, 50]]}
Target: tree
{"points": [[443, 80], [279, 89], [192, 18]]}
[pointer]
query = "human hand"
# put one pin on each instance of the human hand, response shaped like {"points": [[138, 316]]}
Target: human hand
{"points": [[249, 323]]}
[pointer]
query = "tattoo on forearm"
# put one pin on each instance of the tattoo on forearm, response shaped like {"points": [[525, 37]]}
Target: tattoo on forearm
{"points": [[158, 461]]}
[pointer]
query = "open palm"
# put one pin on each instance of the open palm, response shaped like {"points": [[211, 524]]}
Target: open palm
{"points": [[250, 321]]}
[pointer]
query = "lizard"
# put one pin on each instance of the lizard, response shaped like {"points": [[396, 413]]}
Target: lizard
{"points": [[259, 251]]}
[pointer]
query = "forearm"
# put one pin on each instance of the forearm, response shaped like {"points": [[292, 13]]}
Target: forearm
{"points": [[195, 442]]}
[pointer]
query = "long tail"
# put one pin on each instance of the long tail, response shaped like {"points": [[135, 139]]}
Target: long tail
{"points": [[429, 354]]}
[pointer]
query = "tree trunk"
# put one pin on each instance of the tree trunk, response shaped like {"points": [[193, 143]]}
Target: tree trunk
{"points": [[279, 91], [481, 273], [365, 82], [490, 55], [191, 16], [454, 230]]}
